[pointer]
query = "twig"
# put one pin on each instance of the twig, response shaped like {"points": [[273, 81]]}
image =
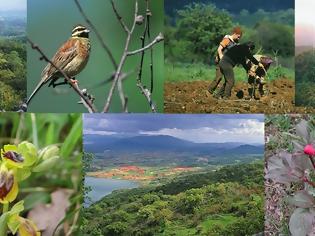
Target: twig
{"points": [[126, 53], [98, 35], [149, 14], [147, 94], [87, 102], [122, 61], [122, 96], [157, 39], [122, 23], [311, 159]]}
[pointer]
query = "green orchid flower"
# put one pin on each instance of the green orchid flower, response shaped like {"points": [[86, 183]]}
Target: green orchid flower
{"points": [[8, 185]]}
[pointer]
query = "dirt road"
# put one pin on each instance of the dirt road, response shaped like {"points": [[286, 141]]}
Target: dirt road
{"points": [[193, 97]]}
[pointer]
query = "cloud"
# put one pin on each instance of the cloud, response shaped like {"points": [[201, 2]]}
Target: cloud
{"points": [[96, 123], [249, 131], [99, 132]]}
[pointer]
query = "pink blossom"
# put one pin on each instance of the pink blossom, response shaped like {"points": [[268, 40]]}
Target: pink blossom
{"points": [[309, 150]]}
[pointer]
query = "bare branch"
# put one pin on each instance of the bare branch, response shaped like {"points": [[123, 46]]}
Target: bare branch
{"points": [[122, 23], [122, 61], [76, 88], [98, 35], [158, 39], [146, 92]]}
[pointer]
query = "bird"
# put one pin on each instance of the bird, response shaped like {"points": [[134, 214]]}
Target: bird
{"points": [[71, 58]]}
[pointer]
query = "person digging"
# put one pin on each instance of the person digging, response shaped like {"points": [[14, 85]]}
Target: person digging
{"points": [[239, 54], [227, 42]]}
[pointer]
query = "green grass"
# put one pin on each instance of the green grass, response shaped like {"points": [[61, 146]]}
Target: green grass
{"points": [[221, 220], [197, 72]]}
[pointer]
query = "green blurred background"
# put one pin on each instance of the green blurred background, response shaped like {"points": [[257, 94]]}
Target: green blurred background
{"points": [[50, 24]]}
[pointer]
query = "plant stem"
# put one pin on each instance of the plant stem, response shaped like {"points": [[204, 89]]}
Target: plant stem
{"points": [[311, 159], [5, 207], [306, 180]]}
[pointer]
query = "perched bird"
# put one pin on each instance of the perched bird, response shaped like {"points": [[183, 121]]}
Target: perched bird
{"points": [[71, 58]]}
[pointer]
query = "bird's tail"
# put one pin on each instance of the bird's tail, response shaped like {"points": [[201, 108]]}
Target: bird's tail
{"points": [[40, 84]]}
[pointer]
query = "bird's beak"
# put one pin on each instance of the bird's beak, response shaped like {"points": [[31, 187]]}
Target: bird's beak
{"points": [[87, 31]]}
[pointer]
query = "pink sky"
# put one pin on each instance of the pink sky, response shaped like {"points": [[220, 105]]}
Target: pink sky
{"points": [[304, 35]]}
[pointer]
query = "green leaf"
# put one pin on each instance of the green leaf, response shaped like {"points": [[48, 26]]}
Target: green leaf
{"points": [[35, 198], [74, 136], [46, 164]]}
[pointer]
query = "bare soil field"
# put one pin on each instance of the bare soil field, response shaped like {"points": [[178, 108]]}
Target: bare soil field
{"points": [[193, 97]]}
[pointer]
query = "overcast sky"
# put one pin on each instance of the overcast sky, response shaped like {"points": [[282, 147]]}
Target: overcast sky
{"points": [[12, 5], [195, 128], [305, 22]]}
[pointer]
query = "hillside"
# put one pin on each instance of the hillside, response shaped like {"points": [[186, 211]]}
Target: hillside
{"points": [[163, 150], [301, 49], [234, 6], [214, 203]]}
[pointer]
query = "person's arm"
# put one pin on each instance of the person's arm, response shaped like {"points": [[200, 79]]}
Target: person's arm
{"points": [[220, 51], [251, 57]]}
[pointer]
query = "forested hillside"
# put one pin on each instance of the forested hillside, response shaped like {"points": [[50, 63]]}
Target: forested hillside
{"points": [[12, 73], [228, 201]]}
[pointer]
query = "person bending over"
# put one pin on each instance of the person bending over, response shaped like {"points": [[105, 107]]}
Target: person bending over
{"points": [[236, 55]]}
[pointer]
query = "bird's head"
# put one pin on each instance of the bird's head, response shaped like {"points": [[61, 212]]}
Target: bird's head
{"points": [[80, 31]]}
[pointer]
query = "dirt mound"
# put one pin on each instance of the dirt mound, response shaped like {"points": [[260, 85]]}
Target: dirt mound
{"points": [[193, 97]]}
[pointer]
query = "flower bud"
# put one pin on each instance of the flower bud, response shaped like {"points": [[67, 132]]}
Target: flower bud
{"points": [[139, 19], [46, 164], [309, 150], [27, 228], [48, 152]]}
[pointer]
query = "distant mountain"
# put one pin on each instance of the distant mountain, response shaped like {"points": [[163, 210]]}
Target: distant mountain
{"points": [[301, 49], [164, 143], [233, 6]]}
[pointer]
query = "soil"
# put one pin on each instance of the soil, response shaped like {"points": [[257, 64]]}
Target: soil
{"points": [[193, 97]]}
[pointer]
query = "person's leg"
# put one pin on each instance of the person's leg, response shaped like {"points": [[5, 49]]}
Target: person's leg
{"points": [[218, 77], [227, 70]]}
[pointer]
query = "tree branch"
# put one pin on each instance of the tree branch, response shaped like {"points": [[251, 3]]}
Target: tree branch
{"points": [[158, 39], [146, 92], [122, 61], [76, 88], [122, 23], [98, 35]]}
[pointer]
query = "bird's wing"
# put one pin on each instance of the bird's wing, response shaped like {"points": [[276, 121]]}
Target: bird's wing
{"points": [[64, 55]]}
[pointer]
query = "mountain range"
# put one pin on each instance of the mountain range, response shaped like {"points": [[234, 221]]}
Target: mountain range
{"points": [[164, 143]]}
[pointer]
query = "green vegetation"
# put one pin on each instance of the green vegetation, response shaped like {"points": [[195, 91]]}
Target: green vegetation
{"points": [[194, 33], [12, 73], [228, 201], [192, 72], [305, 74]]}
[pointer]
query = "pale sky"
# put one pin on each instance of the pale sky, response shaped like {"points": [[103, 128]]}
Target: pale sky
{"points": [[12, 5], [304, 12], [305, 22]]}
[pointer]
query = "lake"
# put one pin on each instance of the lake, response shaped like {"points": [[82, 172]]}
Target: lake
{"points": [[102, 187]]}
